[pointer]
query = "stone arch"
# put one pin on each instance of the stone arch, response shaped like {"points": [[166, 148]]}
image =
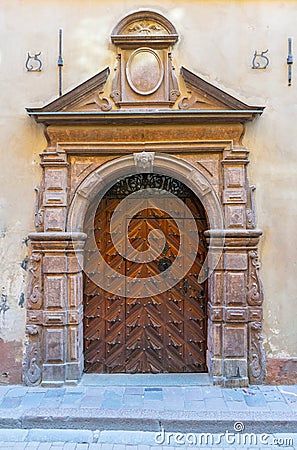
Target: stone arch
{"points": [[164, 164]]}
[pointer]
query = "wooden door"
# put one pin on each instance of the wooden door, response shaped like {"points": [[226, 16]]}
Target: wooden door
{"points": [[161, 333]]}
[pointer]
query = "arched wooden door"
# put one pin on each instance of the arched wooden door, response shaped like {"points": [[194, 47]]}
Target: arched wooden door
{"points": [[162, 333]]}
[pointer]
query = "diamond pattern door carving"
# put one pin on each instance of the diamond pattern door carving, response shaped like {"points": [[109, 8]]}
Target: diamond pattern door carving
{"points": [[161, 333]]}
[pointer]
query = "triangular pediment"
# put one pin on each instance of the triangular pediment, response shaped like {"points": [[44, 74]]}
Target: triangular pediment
{"points": [[84, 97], [206, 96], [144, 84], [202, 96]]}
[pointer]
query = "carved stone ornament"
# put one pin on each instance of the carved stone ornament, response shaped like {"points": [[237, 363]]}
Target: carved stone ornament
{"points": [[254, 289], [32, 357], [144, 161], [190, 102], [96, 103], [38, 212], [34, 293], [173, 83], [256, 357], [146, 27], [144, 74], [251, 211], [116, 83]]}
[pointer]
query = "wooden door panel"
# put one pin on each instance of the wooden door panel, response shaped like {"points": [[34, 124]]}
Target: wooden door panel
{"points": [[144, 341], [160, 333]]}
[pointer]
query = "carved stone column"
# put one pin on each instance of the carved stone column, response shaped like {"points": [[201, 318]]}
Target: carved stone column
{"points": [[235, 304], [235, 353], [54, 351]]}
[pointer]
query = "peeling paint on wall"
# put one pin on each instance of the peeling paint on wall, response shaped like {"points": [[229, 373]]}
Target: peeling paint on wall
{"points": [[25, 262], [21, 300], [13, 281], [3, 305]]}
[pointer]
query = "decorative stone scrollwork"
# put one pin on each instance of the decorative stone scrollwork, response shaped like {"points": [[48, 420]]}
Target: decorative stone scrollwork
{"points": [[103, 103], [34, 293], [254, 289], [189, 102], [32, 330], [96, 102], [32, 357], [256, 357], [251, 211], [116, 83], [38, 212], [173, 84], [146, 27]]}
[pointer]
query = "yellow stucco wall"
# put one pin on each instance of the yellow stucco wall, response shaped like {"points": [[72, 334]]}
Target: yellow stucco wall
{"points": [[217, 41]]}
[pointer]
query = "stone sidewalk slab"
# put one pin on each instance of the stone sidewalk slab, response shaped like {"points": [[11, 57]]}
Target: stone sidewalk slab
{"points": [[146, 407], [135, 440]]}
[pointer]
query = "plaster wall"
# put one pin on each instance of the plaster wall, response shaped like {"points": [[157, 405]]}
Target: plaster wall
{"points": [[217, 41]]}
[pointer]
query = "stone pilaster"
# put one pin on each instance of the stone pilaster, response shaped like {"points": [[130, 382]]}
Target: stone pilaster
{"points": [[54, 196], [55, 309], [235, 352]]}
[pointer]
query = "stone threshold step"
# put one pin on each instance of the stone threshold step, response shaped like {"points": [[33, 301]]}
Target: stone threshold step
{"points": [[150, 420], [158, 379]]}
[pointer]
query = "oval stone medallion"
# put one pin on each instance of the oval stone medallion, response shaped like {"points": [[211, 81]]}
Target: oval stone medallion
{"points": [[144, 71]]}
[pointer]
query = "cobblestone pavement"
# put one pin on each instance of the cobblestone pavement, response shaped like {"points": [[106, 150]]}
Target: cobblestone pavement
{"points": [[168, 398], [37, 439], [49, 410]]}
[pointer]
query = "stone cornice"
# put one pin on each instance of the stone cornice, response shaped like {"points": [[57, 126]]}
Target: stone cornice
{"points": [[142, 117], [233, 238], [57, 236]]}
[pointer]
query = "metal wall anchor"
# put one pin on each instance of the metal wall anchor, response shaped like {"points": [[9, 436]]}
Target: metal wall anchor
{"points": [[290, 61]]}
